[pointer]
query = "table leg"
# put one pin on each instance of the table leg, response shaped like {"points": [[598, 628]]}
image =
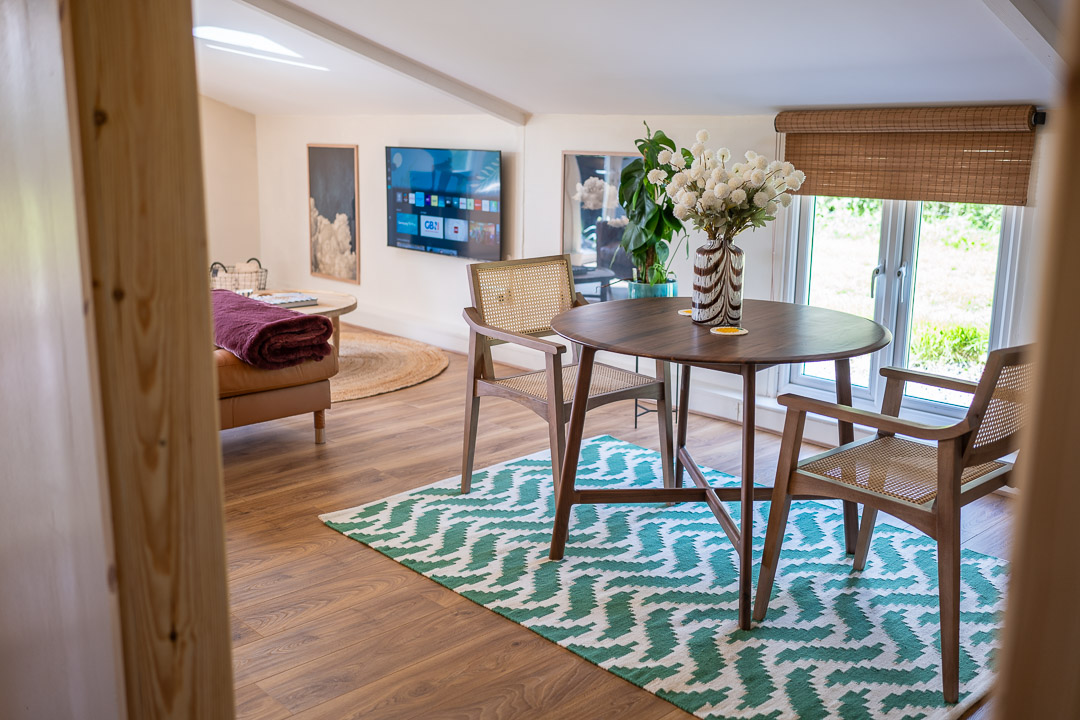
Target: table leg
{"points": [[663, 414], [847, 434], [684, 409], [336, 321], [746, 496], [566, 491]]}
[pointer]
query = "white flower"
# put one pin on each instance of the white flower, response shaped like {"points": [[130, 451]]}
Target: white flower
{"points": [[757, 178], [792, 182], [663, 157], [800, 176], [761, 162], [656, 176], [787, 168], [750, 155], [721, 191], [710, 184], [681, 212], [760, 199], [697, 149], [690, 199], [735, 182], [770, 209], [677, 161], [723, 155], [671, 190], [773, 166], [718, 174], [703, 136], [678, 180], [738, 197], [697, 172], [737, 169], [785, 200]]}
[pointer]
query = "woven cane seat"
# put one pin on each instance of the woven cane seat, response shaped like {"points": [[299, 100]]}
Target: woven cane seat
{"points": [[605, 379], [891, 466]]}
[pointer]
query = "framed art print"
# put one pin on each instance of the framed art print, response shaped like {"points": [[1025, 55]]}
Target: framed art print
{"points": [[333, 209]]}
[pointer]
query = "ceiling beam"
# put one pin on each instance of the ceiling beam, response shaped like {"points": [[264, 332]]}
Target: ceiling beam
{"points": [[1033, 27], [360, 45]]}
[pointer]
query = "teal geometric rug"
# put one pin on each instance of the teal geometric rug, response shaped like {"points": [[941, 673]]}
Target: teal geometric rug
{"points": [[648, 592]]}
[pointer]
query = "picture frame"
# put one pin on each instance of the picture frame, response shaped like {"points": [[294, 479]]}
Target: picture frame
{"points": [[593, 222], [334, 212]]}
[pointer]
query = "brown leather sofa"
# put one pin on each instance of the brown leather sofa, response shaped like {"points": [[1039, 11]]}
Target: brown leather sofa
{"points": [[249, 395]]}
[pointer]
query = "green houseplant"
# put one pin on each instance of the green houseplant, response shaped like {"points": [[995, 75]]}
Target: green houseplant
{"points": [[651, 213]]}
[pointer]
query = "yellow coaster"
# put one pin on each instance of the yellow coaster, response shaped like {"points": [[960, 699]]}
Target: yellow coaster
{"points": [[728, 331], [687, 311]]}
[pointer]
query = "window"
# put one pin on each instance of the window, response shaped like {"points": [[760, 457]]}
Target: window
{"points": [[941, 276]]}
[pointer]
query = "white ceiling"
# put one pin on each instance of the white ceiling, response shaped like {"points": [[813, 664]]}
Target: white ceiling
{"points": [[710, 57], [352, 85]]}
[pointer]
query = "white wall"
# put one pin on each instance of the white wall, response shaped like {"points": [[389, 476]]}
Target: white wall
{"points": [[230, 180], [410, 293]]}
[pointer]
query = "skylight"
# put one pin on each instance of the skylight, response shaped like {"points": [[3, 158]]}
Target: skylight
{"points": [[242, 39], [266, 57]]}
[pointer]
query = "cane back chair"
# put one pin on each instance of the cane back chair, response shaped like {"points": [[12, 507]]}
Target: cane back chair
{"points": [[922, 484], [514, 302]]}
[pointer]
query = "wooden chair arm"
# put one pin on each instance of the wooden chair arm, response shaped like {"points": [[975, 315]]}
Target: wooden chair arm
{"points": [[924, 378], [472, 316], [885, 423]]}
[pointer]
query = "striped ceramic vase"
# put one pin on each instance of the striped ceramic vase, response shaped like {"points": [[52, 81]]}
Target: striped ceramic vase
{"points": [[718, 284]]}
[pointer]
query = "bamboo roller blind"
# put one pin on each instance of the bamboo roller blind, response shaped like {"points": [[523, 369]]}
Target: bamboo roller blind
{"points": [[947, 154]]}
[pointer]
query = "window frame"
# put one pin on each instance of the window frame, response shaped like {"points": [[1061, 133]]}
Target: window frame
{"points": [[897, 253]]}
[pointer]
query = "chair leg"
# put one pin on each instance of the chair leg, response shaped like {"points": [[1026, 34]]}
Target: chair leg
{"points": [[663, 413], [778, 511], [949, 589], [472, 414], [684, 407], [950, 453], [866, 532], [557, 439], [320, 427]]}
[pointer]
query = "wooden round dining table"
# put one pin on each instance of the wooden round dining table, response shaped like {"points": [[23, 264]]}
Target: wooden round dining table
{"points": [[778, 333]]}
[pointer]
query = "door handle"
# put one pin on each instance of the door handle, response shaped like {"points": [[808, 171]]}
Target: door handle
{"points": [[873, 277]]}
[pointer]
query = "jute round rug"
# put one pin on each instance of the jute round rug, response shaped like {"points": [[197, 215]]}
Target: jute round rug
{"points": [[371, 363]]}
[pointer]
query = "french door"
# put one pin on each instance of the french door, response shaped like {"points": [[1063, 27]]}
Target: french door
{"points": [[941, 276]]}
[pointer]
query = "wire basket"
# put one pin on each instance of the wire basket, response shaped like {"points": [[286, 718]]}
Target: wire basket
{"points": [[226, 277]]}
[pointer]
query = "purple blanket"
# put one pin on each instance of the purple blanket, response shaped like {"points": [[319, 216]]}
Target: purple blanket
{"points": [[265, 336]]}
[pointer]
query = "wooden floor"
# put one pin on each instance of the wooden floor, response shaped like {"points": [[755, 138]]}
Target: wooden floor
{"points": [[324, 627]]}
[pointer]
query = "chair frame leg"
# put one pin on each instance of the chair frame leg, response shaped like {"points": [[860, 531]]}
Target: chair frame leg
{"points": [[320, 427], [684, 407], [950, 465], [556, 417], [663, 413], [778, 511], [866, 533], [472, 412]]}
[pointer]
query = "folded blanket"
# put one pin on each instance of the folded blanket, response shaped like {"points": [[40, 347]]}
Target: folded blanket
{"points": [[265, 336]]}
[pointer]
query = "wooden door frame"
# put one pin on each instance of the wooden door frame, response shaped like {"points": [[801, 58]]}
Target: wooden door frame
{"points": [[130, 67]]}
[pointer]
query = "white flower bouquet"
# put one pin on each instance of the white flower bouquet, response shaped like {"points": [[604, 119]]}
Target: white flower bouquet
{"points": [[719, 199]]}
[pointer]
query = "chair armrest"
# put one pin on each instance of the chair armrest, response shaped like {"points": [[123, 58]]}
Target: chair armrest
{"points": [[886, 423], [924, 378], [472, 316]]}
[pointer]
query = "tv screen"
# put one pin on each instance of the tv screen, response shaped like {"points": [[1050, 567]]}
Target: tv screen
{"points": [[445, 201]]}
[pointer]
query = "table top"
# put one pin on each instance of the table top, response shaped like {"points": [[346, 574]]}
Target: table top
{"points": [[778, 332], [331, 304]]}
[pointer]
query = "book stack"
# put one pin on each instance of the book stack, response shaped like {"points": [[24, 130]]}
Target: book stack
{"points": [[288, 299]]}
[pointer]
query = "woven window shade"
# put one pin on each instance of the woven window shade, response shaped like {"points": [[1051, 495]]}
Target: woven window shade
{"points": [[961, 154]]}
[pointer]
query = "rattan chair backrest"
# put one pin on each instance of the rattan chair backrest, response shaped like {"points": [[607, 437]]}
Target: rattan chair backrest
{"points": [[1002, 404], [523, 296]]}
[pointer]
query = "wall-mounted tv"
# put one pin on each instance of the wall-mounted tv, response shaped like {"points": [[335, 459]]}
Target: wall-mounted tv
{"points": [[445, 201]]}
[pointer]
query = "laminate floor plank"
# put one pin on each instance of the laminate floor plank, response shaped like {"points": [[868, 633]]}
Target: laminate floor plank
{"points": [[254, 704], [325, 627]]}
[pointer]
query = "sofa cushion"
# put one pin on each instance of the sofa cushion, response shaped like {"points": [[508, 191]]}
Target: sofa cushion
{"points": [[236, 377]]}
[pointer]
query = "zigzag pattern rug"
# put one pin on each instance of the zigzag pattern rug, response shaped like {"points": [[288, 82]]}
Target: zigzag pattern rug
{"points": [[648, 591]]}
